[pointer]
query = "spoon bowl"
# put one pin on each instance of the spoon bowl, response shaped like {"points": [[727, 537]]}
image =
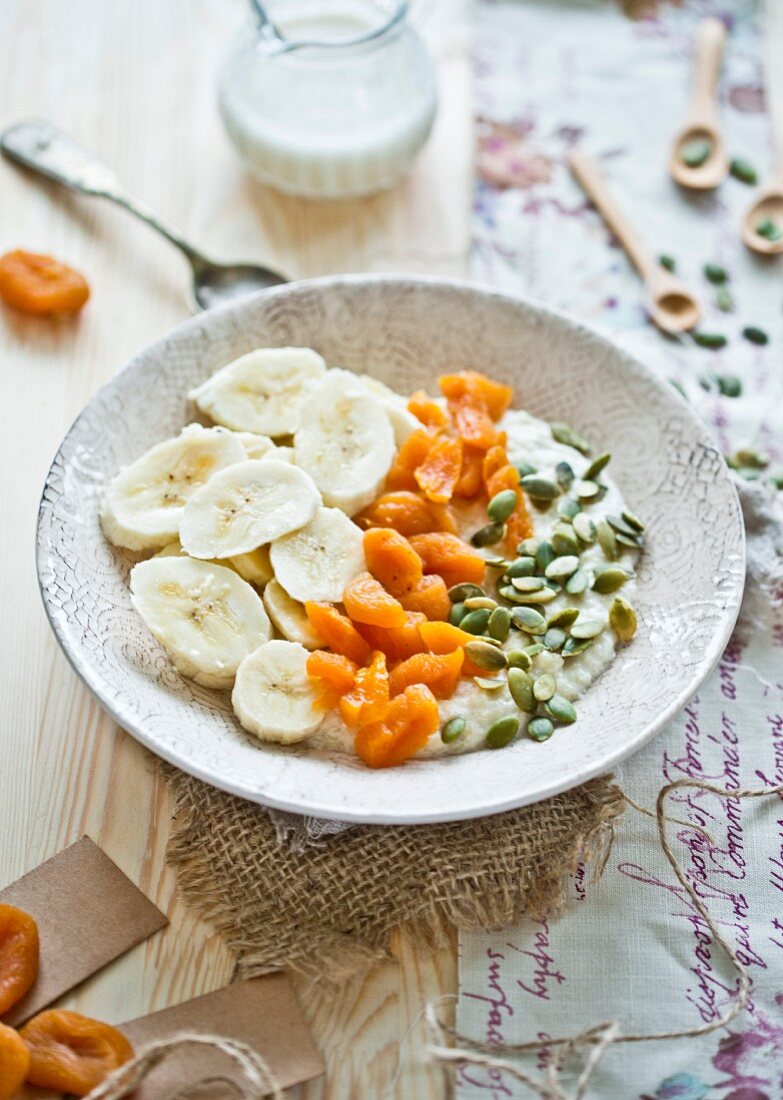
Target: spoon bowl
{"points": [[768, 206], [673, 308], [708, 175], [215, 284]]}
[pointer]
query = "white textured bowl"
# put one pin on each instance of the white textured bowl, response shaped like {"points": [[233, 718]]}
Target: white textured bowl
{"points": [[404, 331]]}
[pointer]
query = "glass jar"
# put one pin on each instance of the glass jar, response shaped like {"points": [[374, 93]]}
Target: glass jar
{"points": [[328, 98]]}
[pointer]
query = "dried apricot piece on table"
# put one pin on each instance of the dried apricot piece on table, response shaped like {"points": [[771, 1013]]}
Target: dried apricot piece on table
{"points": [[397, 642], [72, 1053], [408, 512], [410, 455], [411, 719], [18, 955], [439, 672], [438, 474], [14, 1062], [392, 560], [430, 596], [368, 699], [336, 673], [33, 283], [337, 631], [367, 601], [450, 557]]}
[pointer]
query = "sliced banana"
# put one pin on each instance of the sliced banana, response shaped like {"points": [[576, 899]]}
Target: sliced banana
{"points": [[281, 454], [288, 616], [273, 696], [317, 561], [256, 446], [346, 441], [403, 421], [260, 392], [253, 567], [206, 617], [144, 503], [246, 506]]}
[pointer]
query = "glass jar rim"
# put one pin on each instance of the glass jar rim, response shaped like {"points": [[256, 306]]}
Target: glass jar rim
{"points": [[275, 42]]}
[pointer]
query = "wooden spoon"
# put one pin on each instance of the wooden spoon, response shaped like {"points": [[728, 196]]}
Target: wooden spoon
{"points": [[671, 306], [768, 203], [701, 124]]}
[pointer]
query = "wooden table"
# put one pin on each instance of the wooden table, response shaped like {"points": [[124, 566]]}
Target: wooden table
{"points": [[136, 83]]}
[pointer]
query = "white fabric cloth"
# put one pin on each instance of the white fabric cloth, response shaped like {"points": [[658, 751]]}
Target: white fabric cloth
{"points": [[632, 947]]}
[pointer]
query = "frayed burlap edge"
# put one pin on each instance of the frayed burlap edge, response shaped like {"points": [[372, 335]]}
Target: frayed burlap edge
{"points": [[331, 908]]}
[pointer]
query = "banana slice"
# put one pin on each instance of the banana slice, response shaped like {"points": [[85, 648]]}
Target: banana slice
{"points": [[289, 617], [403, 421], [206, 617], [144, 503], [346, 441], [273, 696], [260, 392], [256, 446], [253, 567], [246, 506], [281, 454], [317, 561]]}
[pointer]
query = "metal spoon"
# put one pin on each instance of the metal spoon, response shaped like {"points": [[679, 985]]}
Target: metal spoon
{"points": [[671, 306], [45, 149], [702, 121]]}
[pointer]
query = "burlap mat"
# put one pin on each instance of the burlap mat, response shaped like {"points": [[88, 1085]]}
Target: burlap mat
{"points": [[331, 905]]}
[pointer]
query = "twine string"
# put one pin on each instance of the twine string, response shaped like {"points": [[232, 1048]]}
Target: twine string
{"points": [[257, 1081]]}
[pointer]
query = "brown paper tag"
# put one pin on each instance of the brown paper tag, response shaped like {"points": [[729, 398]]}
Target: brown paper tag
{"points": [[88, 913], [262, 1012]]}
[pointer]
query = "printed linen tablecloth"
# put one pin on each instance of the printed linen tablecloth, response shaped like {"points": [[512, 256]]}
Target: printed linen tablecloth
{"points": [[632, 947]]}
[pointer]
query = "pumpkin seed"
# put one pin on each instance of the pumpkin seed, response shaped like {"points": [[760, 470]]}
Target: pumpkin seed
{"points": [[564, 475], [522, 567], [540, 729], [489, 535], [743, 171], [564, 617], [528, 584], [562, 433], [452, 729], [544, 595], [462, 591], [607, 580], [712, 340], [473, 602], [475, 622], [534, 649], [621, 526], [587, 489], [575, 646], [518, 658], [564, 541], [502, 505], [529, 620], [577, 583], [485, 656], [715, 274], [457, 613], [634, 541], [544, 687], [559, 708], [696, 152], [668, 262], [584, 528], [499, 624], [766, 227], [488, 683], [497, 563], [729, 385], [595, 467], [633, 521], [554, 639], [622, 619], [520, 685], [544, 555], [562, 568], [510, 593], [723, 299], [490, 640], [607, 539], [587, 628], [525, 469], [568, 509], [529, 547], [539, 488], [502, 732], [755, 335]]}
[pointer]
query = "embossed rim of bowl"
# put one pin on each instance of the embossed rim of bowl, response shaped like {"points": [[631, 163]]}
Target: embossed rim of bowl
{"points": [[386, 804]]}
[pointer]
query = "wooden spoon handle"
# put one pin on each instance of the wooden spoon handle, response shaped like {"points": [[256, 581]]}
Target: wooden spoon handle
{"points": [[588, 174], [707, 55]]}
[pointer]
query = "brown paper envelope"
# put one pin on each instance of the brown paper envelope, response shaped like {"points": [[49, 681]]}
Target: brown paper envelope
{"points": [[262, 1012], [88, 913]]}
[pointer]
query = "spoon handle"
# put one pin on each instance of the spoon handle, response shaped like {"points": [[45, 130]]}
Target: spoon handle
{"points": [[40, 146], [707, 56], [589, 176]]}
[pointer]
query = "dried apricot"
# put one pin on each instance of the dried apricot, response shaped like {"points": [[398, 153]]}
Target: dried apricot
{"points": [[438, 474], [470, 480], [494, 395], [410, 455], [40, 284], [408, 512], [72, 1053], [494, 459], [439, 672], [450, 557], [18, 955], [368, 699], [337, 631], [411, 719], [443, 637], [367, 601], [14, 1062], [519, 525], [398, 642], [432, 415], [336, 674], [473, 422], [507, 477], [392, 560], [430, 596]]}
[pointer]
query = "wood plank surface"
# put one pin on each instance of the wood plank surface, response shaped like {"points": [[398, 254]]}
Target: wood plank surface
{"points": [[136, 83]]}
